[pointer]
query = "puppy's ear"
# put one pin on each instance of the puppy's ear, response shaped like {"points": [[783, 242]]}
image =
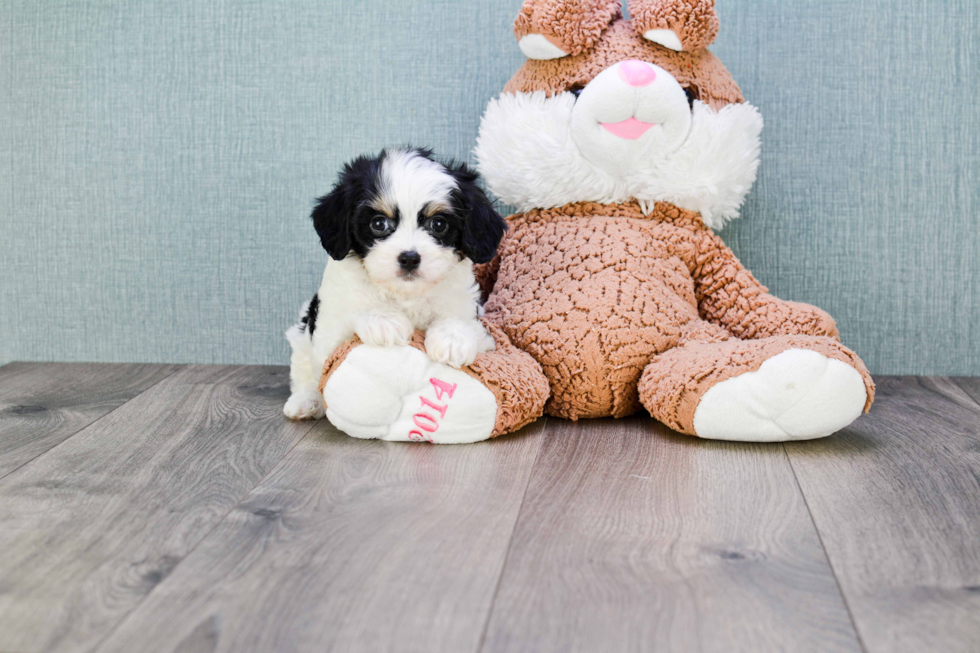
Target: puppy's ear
{"points": [[334, 213], [331, 219], [482, 225]]}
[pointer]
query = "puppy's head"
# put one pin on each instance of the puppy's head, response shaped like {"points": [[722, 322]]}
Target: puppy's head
{"points": [[409, 218]]}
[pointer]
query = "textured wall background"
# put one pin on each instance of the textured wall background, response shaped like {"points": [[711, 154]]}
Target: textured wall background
{"points": [[158, 159]]}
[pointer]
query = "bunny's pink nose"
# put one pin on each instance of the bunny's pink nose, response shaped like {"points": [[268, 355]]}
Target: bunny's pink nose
{"points": [[637, 73]]}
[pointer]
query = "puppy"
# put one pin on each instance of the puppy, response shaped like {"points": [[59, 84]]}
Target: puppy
{"points": [[403, 232]]}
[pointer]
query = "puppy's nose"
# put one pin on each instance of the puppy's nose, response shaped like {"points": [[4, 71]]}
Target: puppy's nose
{"points": [[637, 73], [409, 260]]}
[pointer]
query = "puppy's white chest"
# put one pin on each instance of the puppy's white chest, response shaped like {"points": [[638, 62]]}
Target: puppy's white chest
{"points": [[421, 312]]}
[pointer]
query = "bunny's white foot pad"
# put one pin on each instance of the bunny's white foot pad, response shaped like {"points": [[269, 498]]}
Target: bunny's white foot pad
{"points": [[795, 395], [399, 394]]}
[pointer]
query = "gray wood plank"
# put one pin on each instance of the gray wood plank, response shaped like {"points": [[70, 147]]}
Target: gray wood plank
{"points": [[42, 404], [635, 538], [971, 386], [88, 529], [349, 545], [896, 499]]}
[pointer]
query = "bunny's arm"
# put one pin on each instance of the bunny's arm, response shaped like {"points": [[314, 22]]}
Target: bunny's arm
{"points": [[729, 296]]}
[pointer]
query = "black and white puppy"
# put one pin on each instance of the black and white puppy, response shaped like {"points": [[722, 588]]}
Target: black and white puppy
{"points": [[403, 232]]}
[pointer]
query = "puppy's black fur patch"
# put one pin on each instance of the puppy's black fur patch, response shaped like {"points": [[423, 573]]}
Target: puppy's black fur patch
{"points": [[309, 320], [343, 218], [335, 213], [482, 227]]}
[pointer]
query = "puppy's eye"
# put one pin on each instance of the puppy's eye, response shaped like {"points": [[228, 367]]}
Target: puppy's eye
{"points": [[576, 90], [438, 226], [381, 225]]}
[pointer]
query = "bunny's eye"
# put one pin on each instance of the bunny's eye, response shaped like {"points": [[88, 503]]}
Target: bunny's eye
{"points": [[692, 95]]}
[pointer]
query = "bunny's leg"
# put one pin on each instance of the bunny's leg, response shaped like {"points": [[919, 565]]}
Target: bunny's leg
{"points": [[781, 388], [399, 394]]}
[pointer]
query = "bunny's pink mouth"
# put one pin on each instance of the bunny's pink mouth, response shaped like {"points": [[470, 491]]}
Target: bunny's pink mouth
{"points": [[630, 129]]}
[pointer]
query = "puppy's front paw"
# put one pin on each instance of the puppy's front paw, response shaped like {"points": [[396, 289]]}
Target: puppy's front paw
{"points": [[453, 343], [383, 329], [304, 405]]}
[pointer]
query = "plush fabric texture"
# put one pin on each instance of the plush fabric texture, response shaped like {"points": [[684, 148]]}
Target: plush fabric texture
{"points": [[399, 394], [594, 292], [695, 22], [514, 378], [700, 71], [711, 172], [797, 394], [572, 25], [673, 384]]}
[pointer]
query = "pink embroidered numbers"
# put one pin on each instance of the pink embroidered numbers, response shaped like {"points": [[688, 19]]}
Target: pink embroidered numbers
{"points": [[428, 424]]}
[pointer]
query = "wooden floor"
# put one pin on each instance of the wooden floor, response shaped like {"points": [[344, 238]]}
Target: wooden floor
{"points": [[165, 508]]}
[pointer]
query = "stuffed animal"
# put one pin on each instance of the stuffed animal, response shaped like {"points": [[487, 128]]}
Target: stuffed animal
{"points": [[625, 145]]}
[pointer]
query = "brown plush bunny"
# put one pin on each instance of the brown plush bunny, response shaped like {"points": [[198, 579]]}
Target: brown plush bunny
{"points": [[623, 144]]}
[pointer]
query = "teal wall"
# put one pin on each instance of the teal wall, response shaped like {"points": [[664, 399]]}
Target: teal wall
{"points": [[158, 159]]}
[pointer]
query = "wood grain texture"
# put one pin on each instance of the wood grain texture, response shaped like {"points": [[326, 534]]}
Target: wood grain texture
{"points": [[41, 404], [896, 499], [90, 528], [184, 520], [971, 386], [349, 545], [633, 538]]}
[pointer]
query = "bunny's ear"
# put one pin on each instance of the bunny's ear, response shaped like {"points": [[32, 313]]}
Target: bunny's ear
{"points": [[685, 25], [551, 29]]}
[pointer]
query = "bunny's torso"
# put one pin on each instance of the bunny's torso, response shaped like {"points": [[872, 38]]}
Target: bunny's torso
{"points": [[593, 292]]}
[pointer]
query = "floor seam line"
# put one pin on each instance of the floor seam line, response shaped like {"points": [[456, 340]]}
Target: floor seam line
{"points": [[953, 380], [826, 554], [218, 523], [510, 542], [93, 422]]}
